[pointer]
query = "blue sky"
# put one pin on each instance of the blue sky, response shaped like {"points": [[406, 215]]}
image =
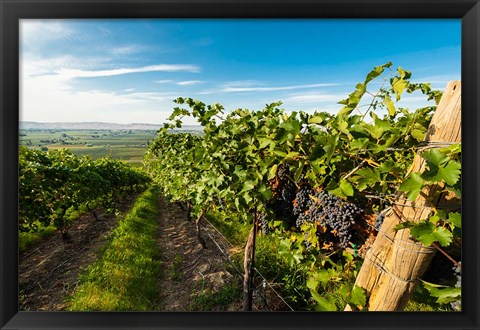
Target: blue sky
{"points": [[127, 71]]}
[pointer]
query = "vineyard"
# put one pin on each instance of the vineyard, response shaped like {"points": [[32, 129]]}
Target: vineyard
{"points": [[267, 209]]}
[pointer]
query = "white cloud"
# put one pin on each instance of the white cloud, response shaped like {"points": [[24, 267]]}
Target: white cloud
{"points": [[256, 86], [437, 81], [166, 81], [41, 30], [310, 98], [152, 96], [73, 73], [126, 50], [272, 88], [46, 93], [49, 99], [189, 82]]}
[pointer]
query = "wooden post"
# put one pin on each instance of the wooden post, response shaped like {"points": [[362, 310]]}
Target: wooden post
{"points": [[248, 265], [394, 263]]}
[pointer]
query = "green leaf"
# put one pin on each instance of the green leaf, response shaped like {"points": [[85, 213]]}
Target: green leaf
{"points": [[272, 172], [427, 233], [390, 106], [298, 172], [450, 173], [412, 185], [418, 132], [441, 167], [398, 86], [357, 296], [369, 175], [404, 225], [292, 154], [455, 219], [443, 294], [323, 305], [346, 188], [316, 119], [312, 284], [264, 142]]}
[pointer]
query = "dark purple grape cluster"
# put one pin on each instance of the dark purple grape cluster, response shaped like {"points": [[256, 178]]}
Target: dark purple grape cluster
{"points": [[333, 212], [282, 204], [302, 199], [264, 223], [457, 305], [307, 243], [457, 271], [379, 220]]}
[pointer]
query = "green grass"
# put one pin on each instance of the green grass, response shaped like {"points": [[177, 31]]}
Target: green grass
{"points": [[267, 260], [207, 300], [28, 239], [125, 275], [421, 301]]}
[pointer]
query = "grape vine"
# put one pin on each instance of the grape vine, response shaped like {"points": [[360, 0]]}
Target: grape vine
{"points": [[310, 172]]}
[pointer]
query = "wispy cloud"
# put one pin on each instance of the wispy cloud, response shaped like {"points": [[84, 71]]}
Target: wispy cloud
{"points": [[437, 80], [72, 73], [189, 82], [127, 50], [32, 30], [243, 86], [166, 81], [311, 98], [151, 96], [273, 88]]}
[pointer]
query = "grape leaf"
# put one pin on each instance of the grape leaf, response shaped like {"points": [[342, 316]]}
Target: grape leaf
{"points": [[455, 219], [440, 167], [443, 294], [346, 188], [358, 296], [323, 304], [398, 86], [412, 185], [390, 106], [450, 173], [427, 233]]}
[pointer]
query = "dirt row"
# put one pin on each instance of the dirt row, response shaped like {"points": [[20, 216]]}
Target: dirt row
{"points": [[192, 275], [49, 272]]}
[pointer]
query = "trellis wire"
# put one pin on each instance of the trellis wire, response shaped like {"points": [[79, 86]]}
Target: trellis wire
{"points": [[236, 269]]}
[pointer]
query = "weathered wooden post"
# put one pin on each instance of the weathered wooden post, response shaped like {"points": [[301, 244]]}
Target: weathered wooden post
{"points": [[394, 263]]}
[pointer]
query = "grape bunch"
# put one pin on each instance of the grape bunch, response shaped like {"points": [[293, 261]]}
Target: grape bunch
{"points": [[333, 212], [457, 270], [302, 199], [284, 194], [264, 223], [308, 244], [379, 220]]}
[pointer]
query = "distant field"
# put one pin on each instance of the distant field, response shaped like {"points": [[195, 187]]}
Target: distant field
{"points": [[127, 145]]}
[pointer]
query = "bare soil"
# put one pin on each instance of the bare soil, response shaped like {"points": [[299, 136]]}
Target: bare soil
{"points": [[192, 275]]}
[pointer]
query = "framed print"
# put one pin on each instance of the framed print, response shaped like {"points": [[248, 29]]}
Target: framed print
{"points": [[239, 164]]}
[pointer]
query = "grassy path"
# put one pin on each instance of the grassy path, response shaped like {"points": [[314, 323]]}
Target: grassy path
{"points": [[124, 277]]}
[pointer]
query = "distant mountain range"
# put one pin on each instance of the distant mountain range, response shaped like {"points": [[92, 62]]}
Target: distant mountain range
{"points": [[99, 126]]}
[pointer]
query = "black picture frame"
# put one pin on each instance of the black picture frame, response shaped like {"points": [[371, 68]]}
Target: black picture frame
{"points": [[13, 10]]}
